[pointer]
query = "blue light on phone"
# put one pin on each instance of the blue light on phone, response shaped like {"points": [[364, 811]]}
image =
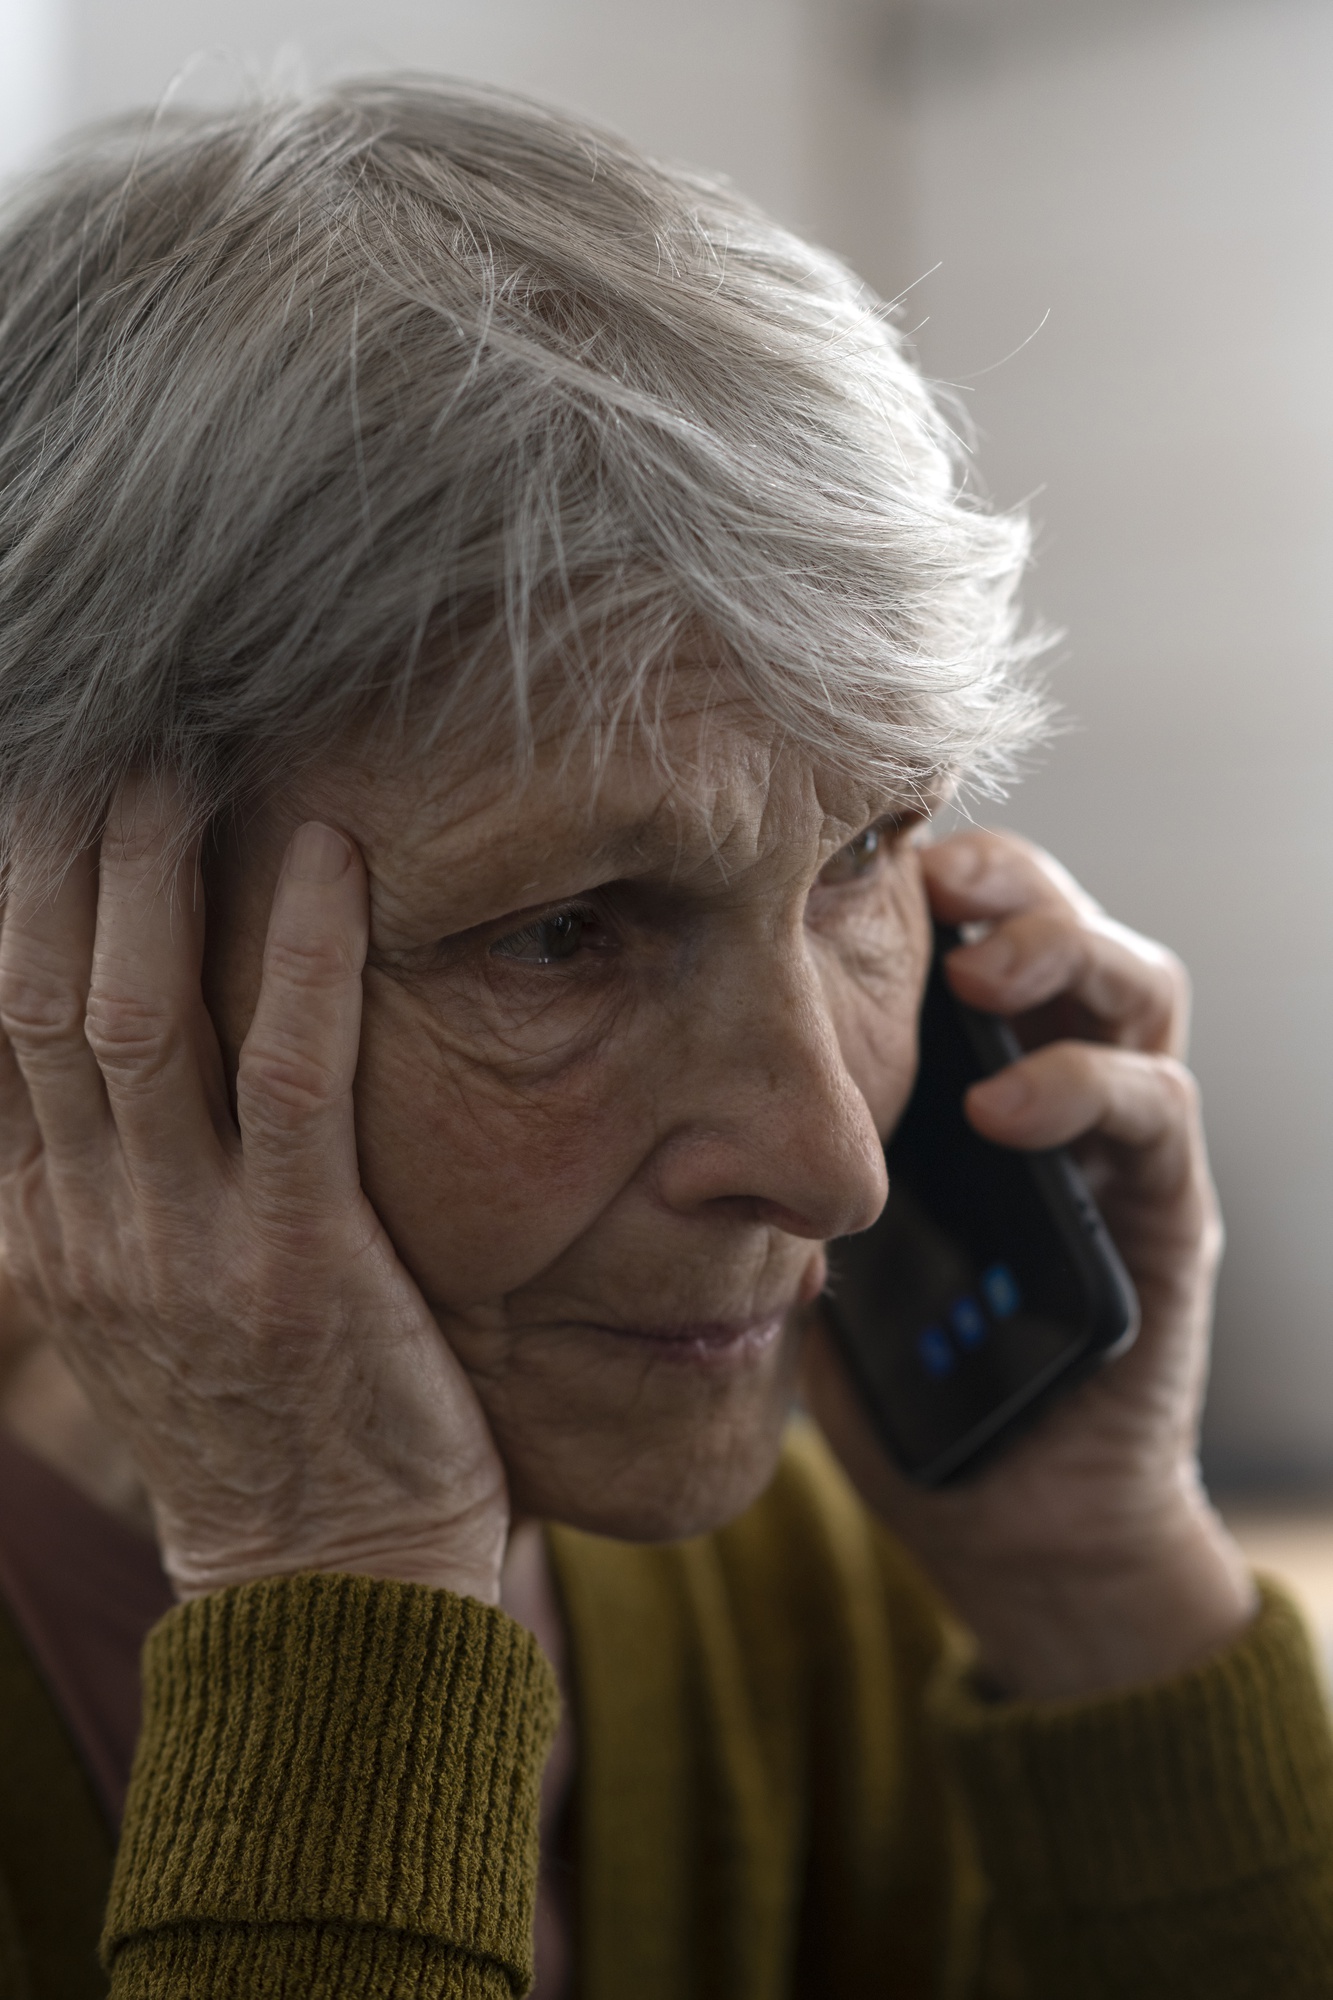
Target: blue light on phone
{"points": [[1000, 1289], [968, 1322], [936, 1350]]}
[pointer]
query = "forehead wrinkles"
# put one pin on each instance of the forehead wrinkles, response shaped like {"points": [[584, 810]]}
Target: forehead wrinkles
{"points": [[780, 816], [748, 802], [736, 786], [728, 795], [648, 804]]}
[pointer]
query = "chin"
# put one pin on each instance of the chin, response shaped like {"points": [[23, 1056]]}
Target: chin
{"points": [[677, 1458], [690, 1492]]}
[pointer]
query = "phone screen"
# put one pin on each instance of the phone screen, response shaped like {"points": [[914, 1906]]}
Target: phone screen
{"points": [[988, 1282]]}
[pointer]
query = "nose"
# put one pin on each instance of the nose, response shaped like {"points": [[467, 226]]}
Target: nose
{"points": [[770, 1122]]}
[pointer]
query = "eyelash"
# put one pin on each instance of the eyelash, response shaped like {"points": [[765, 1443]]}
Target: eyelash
{"points": [[579, 916], [862, 855]]}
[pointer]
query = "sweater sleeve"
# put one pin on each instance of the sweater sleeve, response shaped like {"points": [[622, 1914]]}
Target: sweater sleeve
{"points": [[335, 1792], [1172, 1841]]}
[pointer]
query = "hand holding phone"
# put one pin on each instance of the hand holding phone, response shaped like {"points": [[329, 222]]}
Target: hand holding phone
{"points": [[990, 1282], [1083, 1556]]}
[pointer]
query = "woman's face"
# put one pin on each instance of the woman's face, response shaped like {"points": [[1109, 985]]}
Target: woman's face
{"points": [[629, 1045]]}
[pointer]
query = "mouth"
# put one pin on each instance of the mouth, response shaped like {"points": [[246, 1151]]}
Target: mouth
{"points": [[705, 1342]]}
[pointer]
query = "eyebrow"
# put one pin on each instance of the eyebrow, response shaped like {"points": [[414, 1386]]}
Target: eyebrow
{"points": [[638, 846], [642, 844]]}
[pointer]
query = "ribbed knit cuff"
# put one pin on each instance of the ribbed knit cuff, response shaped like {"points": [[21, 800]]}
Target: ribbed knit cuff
{"points": [[1189, 1787], [321, 1752]]}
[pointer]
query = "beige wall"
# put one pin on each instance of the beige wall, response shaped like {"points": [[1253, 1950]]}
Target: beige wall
{"points": [[34, 78], [707, 79], [1163, 185], [1158, 176]]}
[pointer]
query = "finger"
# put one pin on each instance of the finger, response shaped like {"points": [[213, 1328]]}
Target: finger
{"points": [[46, 949], [20, 1138], [1136, 991], [297, 1064], [979, 875], [146, 1022], [1070, 1089], [29, 1224]]}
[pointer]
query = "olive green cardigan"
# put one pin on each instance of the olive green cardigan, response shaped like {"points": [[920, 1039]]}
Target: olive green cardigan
{"points": [[785, 1788]]}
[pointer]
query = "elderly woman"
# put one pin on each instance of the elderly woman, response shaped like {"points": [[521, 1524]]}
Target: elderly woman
{"points": [[485, 619]]}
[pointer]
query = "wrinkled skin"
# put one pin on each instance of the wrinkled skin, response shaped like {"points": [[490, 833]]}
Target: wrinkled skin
{"points": [[660, 1130], [580, 1074]]}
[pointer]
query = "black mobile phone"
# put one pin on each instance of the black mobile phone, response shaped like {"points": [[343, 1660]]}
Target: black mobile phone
{"points": [[989, 1283]]}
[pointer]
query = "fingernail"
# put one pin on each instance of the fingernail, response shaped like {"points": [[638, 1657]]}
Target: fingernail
{"points": [[1006, 1092], [318, 853]]}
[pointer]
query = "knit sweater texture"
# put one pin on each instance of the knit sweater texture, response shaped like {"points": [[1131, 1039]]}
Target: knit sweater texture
{"points": [[787, 1786]]}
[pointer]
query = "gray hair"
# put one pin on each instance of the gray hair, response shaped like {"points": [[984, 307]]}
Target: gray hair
{"points": [[409, 398]]}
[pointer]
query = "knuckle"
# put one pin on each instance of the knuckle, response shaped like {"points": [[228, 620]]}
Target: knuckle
{"points": [[37, 1011], [281, 1088], [1014, 862], [127, 1032], [318, 961], [1016, 847], [1180, 1084]]}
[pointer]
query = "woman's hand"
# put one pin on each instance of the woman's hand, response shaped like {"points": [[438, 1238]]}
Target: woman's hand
{"points": [[227, 1297], [1087, 1556]]}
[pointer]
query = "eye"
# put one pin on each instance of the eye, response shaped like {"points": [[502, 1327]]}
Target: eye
{"points": [[856, 859], [552, 939]]}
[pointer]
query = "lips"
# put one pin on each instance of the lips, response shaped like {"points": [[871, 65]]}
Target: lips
{"points": [[705, 1340]]}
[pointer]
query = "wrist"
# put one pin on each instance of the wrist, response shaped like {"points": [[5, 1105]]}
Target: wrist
{"points": [[480, 1582], [1076, 1628], [467, 1564]]}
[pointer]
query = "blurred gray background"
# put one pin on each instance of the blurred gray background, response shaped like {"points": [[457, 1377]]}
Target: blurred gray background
{"points": [[1115, 220]]}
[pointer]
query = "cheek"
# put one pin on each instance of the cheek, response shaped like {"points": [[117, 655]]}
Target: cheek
{"points": [[482, 1182], [874, 978]]}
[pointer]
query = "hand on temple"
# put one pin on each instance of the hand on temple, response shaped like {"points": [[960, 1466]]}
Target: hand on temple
{"points": [[221, 1286]]}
